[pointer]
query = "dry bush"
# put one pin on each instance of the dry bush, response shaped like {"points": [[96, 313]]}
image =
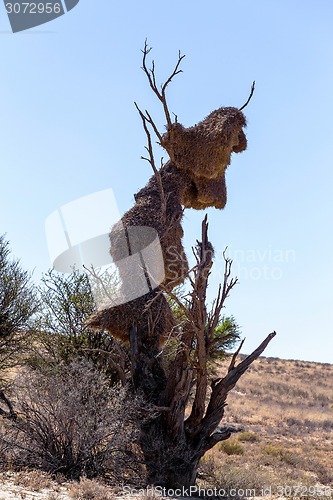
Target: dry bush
{"points": [[283, 454], [88, 489], [234, 476], [246, 436], [53, 495], [5, 447], [241, 478], [231, 447], [207, 469], [34, 480], [70, 421]]}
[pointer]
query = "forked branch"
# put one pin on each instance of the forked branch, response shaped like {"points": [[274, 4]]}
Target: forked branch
{"points": [[220, 390], [152, 80], [223, 293]]}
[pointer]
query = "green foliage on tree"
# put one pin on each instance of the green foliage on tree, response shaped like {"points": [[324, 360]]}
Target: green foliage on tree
{"points": [[226, 333], [18, 303], [61, 334], [226, 336]]}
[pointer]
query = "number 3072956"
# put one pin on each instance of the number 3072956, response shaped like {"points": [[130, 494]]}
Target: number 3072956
{"points": [[33, 8]]}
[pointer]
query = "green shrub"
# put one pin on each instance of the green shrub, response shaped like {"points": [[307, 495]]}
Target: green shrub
{"points": [[18, 304]]}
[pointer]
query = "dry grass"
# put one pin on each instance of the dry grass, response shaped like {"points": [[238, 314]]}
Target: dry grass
{"points": [[30, 485], [285, 410], [34, 480], [88, 489], [35, 485]]}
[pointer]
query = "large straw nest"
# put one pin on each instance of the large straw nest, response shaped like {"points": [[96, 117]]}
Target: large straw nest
{"points": [[194, 178]]}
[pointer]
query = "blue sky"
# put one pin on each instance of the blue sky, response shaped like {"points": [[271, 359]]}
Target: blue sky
{"points": [[69, 128]]}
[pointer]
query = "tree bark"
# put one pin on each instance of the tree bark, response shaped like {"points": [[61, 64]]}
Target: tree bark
{"points": [[172, 448], [172, 445]]}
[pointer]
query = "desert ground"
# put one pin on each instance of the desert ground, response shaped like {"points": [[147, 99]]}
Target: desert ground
{"points": [[285, 448]]}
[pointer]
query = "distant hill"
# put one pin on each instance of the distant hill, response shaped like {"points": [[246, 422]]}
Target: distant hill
{"points": [[285, 408]]}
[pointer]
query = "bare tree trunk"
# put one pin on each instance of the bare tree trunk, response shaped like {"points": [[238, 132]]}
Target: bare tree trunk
{"points": [[172, 445]]}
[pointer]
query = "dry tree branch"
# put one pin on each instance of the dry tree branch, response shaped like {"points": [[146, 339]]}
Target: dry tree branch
{"points": [[238, 370], [220, 390], [223, 434], [198, 309], [234, 357], [175, 72], [146, 117], [223, 292], [167, 289], [152, 80], [11, 415], [98, 279], [117, 366], [171, 335], [249, 99], [151, 159], [152, 123], [227, 286]]}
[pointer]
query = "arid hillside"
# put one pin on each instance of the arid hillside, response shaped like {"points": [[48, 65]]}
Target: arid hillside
{"points": [[285, 408]]}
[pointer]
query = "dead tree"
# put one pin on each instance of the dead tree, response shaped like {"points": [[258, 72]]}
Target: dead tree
{"points": [[171, 441]]}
